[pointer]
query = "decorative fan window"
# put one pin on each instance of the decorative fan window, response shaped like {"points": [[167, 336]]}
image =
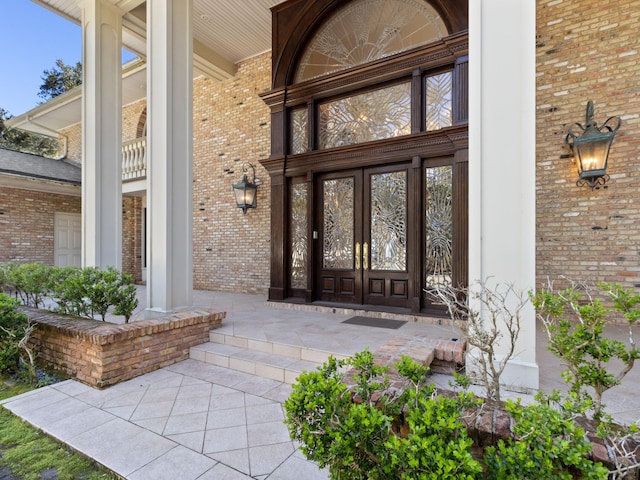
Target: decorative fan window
{"points": [[367, 30]]}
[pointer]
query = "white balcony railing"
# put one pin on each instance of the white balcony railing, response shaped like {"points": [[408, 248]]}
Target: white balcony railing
{"points": [[134, 159]]}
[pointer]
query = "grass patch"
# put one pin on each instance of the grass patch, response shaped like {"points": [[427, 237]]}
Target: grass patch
{"points": [[29, 452]]}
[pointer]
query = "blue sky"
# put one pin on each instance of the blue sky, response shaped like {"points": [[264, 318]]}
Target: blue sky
{"points": [[33, 38]]}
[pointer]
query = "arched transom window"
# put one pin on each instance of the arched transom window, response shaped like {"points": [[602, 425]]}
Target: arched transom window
{"points": [[367, 30]]}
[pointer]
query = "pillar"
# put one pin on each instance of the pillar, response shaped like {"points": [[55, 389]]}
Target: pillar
{"points": [[101, 134], [502, 161], [170, 151]]}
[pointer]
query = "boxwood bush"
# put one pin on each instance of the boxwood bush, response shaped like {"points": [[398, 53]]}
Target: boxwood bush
{"points": [[85, 292], [372, 432]]}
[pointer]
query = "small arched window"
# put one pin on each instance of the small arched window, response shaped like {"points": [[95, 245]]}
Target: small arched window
{"points": [[141, 130], [367, 30]]}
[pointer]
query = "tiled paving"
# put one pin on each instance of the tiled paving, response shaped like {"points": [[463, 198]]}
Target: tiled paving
{"points": [[198, 420]]}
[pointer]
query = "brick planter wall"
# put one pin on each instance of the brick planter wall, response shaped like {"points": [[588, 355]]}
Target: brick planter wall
{"points": [[487, 423], [102, 354]]}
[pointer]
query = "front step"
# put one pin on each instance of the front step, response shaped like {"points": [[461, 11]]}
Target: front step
{"points": [[270, 360]]}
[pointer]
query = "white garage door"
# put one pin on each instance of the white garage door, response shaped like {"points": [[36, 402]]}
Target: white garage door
{"points": [[68, 239]]}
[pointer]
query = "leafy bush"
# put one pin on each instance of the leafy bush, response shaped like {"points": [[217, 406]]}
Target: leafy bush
{"points": [[85, 292], [547, 444], [15, 329], [354, 433], [90, 291], [579, 340], [30, 281], [372, 432]]}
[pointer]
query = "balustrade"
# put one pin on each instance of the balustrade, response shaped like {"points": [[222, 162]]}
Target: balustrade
{"points": [[134, 159]]}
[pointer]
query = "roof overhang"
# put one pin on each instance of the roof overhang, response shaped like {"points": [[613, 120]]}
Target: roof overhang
{"points": [[22, 182], [65, 110], [225, 33]]}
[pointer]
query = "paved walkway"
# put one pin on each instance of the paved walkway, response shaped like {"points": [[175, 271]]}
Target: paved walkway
{"points": [[193, 420]]}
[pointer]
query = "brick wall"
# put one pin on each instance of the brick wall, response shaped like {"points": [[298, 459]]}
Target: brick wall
{"points": [[102, 354], [132, 237], [231, 126], [133, 119], [27, 223], [74, 141], [587, 50]]}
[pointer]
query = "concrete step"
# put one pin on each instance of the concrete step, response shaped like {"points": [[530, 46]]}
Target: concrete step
{"points": [[265, 346], [270, 360], [284, 363]]}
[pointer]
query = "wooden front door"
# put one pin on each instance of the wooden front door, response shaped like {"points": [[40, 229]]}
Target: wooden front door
{"points": [[362, 234]]}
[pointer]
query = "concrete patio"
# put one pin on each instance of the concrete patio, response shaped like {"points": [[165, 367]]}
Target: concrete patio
{"points": [[219, 414]]}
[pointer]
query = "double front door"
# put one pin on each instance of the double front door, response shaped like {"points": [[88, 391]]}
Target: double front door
{"points": [[362, 233]]}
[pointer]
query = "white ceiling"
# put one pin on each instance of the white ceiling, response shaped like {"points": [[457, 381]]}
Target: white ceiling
{"points": [[232, 29], [225, 33]]}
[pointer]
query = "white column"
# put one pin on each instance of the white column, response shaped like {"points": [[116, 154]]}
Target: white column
{"points": [[502, 160], [169, 150], [101, 134]]}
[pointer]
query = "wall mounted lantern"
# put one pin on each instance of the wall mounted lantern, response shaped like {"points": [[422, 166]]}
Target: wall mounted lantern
{"points": [[591, 148], [245, 190]]}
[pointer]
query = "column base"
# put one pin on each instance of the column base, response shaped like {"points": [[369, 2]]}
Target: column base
{"points": [[518, 376]]}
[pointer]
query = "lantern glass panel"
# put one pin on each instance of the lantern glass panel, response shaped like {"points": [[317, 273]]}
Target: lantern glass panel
{"points": [[593, 154]]}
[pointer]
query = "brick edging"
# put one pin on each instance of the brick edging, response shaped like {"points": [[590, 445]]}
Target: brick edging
{"points": [[101, 354]]}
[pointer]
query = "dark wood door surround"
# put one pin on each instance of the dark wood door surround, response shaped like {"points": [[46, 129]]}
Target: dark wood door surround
{"points": [[294, 24]]}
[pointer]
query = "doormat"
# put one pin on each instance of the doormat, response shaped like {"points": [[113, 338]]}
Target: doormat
{"points": [[375, 322]]}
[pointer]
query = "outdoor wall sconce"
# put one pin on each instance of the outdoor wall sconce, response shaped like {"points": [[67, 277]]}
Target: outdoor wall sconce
{"points": [[591, 148], [245, 190]]}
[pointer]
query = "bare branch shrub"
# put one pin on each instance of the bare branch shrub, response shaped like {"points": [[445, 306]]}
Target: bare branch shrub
{"points": [[493, 319]]}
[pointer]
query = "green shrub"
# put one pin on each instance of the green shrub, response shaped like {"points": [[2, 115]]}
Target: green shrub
{"points": [[84, 292], [90, 291], [372, 432], [547, 444], [578, 339], [353, 433], [69, 292], [15, 329]]}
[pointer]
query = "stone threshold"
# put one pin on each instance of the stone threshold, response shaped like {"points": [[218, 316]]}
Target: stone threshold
{"points": [[364, 312]]}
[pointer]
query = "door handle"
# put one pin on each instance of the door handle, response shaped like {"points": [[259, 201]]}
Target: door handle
{"points": [[365, 257], [358, 256]]}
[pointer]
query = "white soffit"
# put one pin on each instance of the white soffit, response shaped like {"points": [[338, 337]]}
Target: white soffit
{"points": [[231, 29], [66, 110]]}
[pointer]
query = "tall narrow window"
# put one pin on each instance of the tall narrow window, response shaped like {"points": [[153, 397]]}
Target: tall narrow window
{"points": [[438, 226], [299, 133], [298, 236], [438, 101]]}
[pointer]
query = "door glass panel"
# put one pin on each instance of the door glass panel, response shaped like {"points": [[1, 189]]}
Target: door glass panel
{"points": [[375, 115], [299, 238], [338, 228], [389, 221], [439, 226], [438, 104]]}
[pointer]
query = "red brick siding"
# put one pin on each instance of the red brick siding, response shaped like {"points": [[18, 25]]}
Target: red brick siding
{"points": [[27, 223], [102, 354], [587, 50], [231, 126]]}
